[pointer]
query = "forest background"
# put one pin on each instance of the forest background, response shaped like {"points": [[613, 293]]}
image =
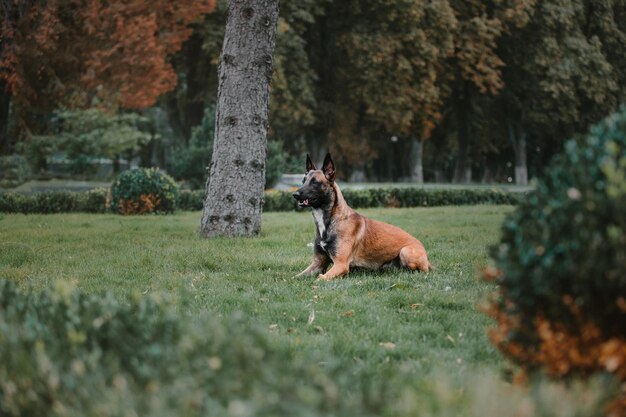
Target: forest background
{"points": [[434, 90]]}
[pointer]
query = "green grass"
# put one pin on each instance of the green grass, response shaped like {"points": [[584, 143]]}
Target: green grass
{"points": [[418, 336], [430, 319]]}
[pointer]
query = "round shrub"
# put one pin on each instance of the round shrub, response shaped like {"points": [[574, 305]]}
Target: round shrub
{"points": [[143, 190], [561, 262]]}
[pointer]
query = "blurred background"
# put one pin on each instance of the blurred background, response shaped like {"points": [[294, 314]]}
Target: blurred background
{"points": [[445, 91]]}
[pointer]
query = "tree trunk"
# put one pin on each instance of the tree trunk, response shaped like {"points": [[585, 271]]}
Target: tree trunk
{"points": [[234, 190], [417, 152], [463, 110], [518, 139], [521, 168], [5, 103]]}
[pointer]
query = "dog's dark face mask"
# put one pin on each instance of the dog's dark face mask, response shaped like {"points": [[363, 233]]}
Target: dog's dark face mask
{"points": [[317, 185]]}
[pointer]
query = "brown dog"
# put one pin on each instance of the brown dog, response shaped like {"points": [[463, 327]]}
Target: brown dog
{"points": [[346, 238]]}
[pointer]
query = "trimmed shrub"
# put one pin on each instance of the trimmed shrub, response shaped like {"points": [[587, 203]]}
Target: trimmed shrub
{"points": [[561, 263], [279, 201], [16, 203], [94, 200], [190, 200], [143, 190]]}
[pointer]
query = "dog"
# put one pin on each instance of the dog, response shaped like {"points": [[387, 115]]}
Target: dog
{"points": [[347, 239]]}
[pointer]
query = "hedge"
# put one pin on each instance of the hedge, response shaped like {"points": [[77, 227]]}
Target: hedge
{"points": [[94, 201], [48, 202]]}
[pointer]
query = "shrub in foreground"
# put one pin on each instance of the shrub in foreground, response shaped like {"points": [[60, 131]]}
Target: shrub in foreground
{"points": [[64, 353], [561, 263], [143, 190]]}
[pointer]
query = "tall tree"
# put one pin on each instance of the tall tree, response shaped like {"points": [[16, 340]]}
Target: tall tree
{"points": [[390, 56], [566, 69], [234, 191], [476, 67]]}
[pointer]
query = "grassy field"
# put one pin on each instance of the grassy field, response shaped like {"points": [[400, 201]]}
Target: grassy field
{"points": [[416, 324], [431, 319]]}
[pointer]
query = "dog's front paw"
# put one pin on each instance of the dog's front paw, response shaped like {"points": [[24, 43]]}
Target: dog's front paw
{"points": [[323, 277]]}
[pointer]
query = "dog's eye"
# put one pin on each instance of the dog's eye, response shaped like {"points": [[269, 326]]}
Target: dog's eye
{"points": [[303, 180], [313, 181]]}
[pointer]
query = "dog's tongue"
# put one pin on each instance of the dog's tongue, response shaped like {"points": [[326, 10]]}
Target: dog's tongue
{"points": [[305, 202]]}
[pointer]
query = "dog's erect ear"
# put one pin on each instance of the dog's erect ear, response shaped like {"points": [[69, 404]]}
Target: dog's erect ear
{"points": [[329, 168], [309, 164]]}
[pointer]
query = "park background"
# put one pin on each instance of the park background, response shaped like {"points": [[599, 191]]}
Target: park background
{"points": [[435, 91], [109, 315]]}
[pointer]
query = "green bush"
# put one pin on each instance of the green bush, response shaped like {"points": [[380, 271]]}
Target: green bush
{"points": [[190, 200], [143, 190], [94, 201], [561, 263], [64, 353], [14, 170], [16, 203], [279, 201], [568, 238]]}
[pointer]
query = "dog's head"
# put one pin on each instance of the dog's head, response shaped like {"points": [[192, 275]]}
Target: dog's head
{"points": [[317, 185]]}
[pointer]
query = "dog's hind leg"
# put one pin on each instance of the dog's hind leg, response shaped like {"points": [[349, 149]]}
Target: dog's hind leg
{"points": [[414, 257]]}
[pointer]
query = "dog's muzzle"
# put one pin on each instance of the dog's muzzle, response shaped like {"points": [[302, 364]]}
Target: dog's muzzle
{"points": [[302, 202]]}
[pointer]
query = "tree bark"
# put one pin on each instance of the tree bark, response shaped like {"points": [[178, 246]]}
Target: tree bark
{"points": [[234, 190], [463, 110], [5, 103], [518, 139], [417, 152]]}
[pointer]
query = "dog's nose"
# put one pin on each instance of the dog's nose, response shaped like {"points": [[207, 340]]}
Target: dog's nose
{"points": [[296, 195]]}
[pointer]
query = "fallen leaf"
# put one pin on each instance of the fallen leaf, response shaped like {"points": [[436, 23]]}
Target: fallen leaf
{"points": [[387, 345], [311, 317], [348, 313]]}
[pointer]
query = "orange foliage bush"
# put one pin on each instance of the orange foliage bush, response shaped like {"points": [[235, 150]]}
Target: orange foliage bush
{"points": [[147, 203], [558, 349]]}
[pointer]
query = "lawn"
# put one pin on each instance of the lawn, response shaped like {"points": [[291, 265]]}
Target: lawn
{"points": [[431, 319], [416, 324]]}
